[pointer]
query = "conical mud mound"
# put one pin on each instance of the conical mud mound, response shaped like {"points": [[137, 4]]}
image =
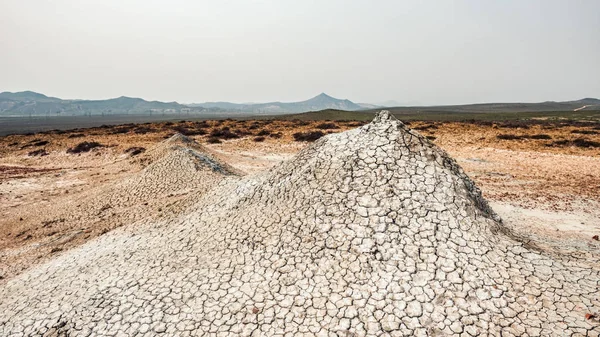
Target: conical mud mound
{"points": [[175, 173], [165, 147], [373, 231], [175, 165]]}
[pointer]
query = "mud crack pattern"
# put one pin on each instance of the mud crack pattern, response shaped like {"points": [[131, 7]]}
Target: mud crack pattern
{"points": [[374, 231]]}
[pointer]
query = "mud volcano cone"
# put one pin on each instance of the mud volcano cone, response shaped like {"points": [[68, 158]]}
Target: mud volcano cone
{"points": [[374, 231]]}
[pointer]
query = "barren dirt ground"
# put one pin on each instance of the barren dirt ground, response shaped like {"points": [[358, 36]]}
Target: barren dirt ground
{"points": [[543, 179]]}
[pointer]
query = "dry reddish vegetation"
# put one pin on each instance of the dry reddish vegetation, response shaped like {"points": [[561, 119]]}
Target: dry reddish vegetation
{"points": [[566, 138], [558, 138], [528, 162], [124, 136]]}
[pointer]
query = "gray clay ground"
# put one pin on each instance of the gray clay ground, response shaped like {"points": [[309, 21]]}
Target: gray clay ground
{"points": [[374, 231]]}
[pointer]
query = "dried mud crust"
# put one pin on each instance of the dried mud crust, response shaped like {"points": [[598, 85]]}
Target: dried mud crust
{"points": [[373, 231], [174, 171]]}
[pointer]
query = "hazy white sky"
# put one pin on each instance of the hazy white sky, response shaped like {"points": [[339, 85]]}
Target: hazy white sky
{"points": [[431, 52]]}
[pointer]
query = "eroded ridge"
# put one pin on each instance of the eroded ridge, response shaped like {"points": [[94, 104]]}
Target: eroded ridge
{"points": [[373, 231]]}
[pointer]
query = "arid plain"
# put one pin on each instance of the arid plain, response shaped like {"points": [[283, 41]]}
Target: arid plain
{"points": [[541, 177]]}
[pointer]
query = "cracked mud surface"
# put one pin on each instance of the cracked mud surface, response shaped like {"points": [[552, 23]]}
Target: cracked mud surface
{"points": [[374, 231], [171, 172]]}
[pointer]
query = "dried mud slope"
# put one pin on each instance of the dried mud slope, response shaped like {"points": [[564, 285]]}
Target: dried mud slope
{"points": [[374, 231], [176, 171], [175, 167]]}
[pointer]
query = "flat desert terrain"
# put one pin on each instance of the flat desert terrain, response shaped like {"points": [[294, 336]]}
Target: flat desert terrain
{"points": [[542, 178]]}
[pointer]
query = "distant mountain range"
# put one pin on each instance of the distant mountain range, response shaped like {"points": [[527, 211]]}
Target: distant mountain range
{"points": [[28, 103], [319, 102]]}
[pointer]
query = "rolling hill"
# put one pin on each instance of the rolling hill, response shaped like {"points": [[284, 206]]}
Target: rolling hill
{"points": [[582, 104], [28, 103]]}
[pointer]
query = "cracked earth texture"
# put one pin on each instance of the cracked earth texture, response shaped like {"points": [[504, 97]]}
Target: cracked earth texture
{"points": [[374, 231], [175, 172]]}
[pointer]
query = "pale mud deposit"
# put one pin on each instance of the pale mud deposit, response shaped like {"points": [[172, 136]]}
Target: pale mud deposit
{"points": [[373, 231]]}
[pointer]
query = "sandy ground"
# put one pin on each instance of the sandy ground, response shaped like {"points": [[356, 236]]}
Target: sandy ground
{"points": [[544, 187]]}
